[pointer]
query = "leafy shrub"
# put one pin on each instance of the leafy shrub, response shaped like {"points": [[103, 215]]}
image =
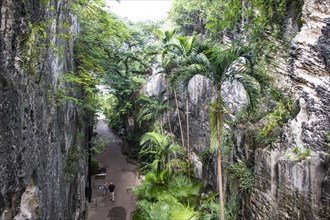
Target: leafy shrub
{"points": [[204, 155], [210, 209], [71, 165], [94, 166], [284, 111], [245, 176], [232, 207], [99, 144]]}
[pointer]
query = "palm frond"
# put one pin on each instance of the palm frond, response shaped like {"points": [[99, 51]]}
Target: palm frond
{"points": [[176, 149], [174, 165], [183, 214], [252, 89], [201, 47], [155, 138]]}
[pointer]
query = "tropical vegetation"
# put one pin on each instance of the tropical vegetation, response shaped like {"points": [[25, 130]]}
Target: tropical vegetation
{"points": [[207, 41]]}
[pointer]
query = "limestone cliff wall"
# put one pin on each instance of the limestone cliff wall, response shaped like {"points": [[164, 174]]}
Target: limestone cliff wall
{"points": [[39, 179], [286, 187]]}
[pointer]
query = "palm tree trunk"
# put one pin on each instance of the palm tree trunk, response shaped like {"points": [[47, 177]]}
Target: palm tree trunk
{"points": [[180, 124], [161, 126], [219, 105], [170, 126], [188, 145]]}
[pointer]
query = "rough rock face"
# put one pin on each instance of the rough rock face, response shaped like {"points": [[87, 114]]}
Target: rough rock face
{"points": [[36, 131], [286, 186]]}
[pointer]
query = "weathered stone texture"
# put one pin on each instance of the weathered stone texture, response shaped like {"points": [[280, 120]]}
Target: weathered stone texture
{"points": [[35, 131], [287, 188]]}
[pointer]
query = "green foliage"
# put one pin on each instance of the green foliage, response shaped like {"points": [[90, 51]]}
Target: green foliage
{"points": [[301, 154], [228, 19], [157, 151], [327, 138], [209, 207], [151, 109], [190, 15], [44, 3], [284, 111], [94, 166], [245, 176], [232, 207], [99, 144], [35, 44], [263, 21], [166, 192], [204, 155], [72, 160], [166, 198]]}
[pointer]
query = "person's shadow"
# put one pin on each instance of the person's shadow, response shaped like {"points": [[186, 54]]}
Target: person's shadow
{"points": [[117, 213]]}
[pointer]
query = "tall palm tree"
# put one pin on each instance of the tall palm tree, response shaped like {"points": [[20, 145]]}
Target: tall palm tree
{"points": [[233, 64], [168, 39], [184, 49]]}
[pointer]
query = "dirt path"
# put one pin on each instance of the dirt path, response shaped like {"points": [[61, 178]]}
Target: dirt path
{"points": [[118, 171]]}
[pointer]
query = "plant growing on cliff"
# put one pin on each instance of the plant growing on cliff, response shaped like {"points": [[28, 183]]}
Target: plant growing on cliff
{"points": [[284, 111], [72, 160], [327, 138], [245, 176], [301, 154]]}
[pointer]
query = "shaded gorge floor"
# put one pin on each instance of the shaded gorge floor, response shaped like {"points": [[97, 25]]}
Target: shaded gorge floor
{"points": [[116, 170]]}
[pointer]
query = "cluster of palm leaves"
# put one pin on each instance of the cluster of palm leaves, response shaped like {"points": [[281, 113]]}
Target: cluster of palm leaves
{"points": [[168, 192]]}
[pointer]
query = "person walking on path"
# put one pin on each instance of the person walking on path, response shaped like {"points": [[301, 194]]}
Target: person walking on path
{"points": [[111, 189], [104, 188]]}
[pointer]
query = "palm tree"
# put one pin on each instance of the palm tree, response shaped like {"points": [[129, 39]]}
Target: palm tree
{"points": [[161, 151], [233, 64], [151, 109], [168, 43], [184, 49]]}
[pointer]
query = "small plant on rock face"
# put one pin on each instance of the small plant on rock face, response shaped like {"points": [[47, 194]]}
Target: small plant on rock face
{"points": [[284, 111], [302, 155], [245, 176], [327, 138], [73, 157]]}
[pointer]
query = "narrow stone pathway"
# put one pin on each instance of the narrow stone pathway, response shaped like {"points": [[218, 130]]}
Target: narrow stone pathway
{"points": [[118, 171]]}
